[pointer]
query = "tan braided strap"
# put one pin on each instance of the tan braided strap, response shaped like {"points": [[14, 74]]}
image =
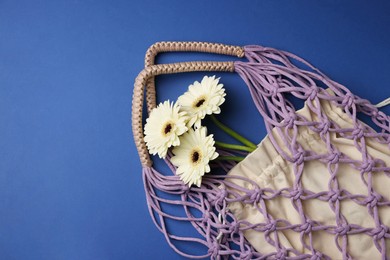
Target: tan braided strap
{"points": [[139, 88], [206, 47]]}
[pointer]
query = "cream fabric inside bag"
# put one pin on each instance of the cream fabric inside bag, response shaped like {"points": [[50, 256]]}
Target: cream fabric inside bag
{"points": [[268, 169]]}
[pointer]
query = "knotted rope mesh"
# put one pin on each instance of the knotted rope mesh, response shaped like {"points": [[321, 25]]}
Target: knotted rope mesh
{"points": [[271, 75]]}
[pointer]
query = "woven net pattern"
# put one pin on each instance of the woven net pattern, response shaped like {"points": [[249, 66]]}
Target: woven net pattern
{"points": [[270, 75]]}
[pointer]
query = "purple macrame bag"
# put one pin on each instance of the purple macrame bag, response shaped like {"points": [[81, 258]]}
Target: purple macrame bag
{"points": [[275, 215]]}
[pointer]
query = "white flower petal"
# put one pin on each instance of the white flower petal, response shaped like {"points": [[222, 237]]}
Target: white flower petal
{"points": [[194, 141], [201, 99], [158, 136]]}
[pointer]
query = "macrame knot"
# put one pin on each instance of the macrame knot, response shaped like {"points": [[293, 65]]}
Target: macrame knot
{"points": [[334, 196], [296, 194], [206, 217], [348, 100], [274, 91], [219, 197], [358, 132], [380, 232], [367, 166], [306, 227], [374, 112], [298, 157], [234, 227], [312, 94], [256, 194], [334, 157], [373, 200], [317, 256], [270, 227], [343, 230], [322, 127], [290, 120], [247, 255], [214, 250], [281, 254]]}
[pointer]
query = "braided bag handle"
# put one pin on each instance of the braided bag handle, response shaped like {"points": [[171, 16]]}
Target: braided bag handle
{"points": [[145, 79], [160, 47]]}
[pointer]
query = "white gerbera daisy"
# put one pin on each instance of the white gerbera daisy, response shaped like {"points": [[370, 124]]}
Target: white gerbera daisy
{"points": [[193, 155], [163, 128], [201, 99]]}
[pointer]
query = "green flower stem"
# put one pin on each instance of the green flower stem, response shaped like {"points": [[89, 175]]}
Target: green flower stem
{"points": [[232, 133], [230, 158], [234, 146]]}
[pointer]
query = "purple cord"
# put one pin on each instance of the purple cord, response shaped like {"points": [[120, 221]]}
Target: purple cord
{"points": [[270, 74]]}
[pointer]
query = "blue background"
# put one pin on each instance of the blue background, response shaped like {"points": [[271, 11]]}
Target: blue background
{"points": [[70, 178]]}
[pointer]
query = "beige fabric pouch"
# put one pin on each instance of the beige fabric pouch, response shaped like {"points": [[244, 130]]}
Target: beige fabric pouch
{"points": [[268, 169]]}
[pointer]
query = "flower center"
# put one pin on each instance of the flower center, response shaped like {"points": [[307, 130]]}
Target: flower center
{"points": [[200, 101], [167, 128], [196, 156]]}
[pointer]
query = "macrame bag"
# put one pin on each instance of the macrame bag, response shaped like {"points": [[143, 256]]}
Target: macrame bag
{"points": [[316, 187]]}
